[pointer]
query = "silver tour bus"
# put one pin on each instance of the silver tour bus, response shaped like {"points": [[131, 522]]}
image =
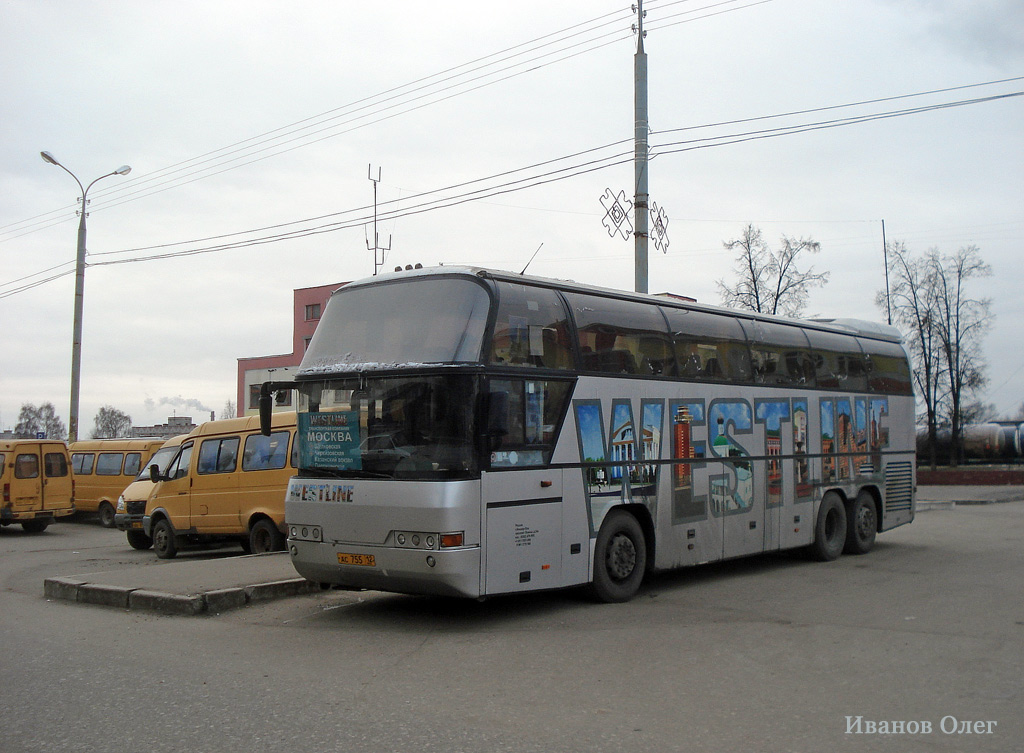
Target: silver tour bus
{"points": [[468, 432]]}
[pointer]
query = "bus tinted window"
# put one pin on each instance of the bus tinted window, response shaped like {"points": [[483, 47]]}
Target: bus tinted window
{"points": [[109, 464], [838, 361], [621, 337], [264, 453], [418, 321], [709, 347], [524, 419], [779, 354], [81, 463], [218, 455], [888, 368], [531, 328]]}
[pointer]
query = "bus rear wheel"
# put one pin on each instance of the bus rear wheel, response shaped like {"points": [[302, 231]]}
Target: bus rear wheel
{"points": [[861, 524], [830, 529], [620, 558]]}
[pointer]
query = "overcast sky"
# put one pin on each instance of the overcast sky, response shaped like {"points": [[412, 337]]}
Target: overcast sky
{"points": [[251, 119]]}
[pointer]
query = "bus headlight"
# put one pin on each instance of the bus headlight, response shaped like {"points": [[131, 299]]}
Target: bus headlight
{"points": [[120, 503], [425, 540], [299, 532]]}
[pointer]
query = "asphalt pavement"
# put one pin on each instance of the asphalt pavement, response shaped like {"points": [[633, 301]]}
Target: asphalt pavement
{"points": [[204, 587]]}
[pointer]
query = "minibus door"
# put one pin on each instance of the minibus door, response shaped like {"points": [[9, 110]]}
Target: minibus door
{"points": [[27, 479], [57, 488]]}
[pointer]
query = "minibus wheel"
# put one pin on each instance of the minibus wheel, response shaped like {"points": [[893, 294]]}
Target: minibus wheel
{"points": [[139, 540], [106, 515], [620, 558], [164, 543], [264, 537], [35, 525]]}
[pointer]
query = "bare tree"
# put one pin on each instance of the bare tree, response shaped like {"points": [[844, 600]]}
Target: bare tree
{"points": [[41, 420], [110, 423], [961, 323], [912, 298], [945, 327], [228, 411], [767, 281]]}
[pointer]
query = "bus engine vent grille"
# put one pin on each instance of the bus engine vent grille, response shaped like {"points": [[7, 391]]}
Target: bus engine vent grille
{"points": [[899, 486]]}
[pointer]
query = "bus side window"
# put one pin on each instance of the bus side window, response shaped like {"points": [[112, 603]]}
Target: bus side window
{"points": [[531, 328], [621, 337]]}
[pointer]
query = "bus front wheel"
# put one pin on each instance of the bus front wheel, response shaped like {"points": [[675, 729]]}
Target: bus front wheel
{"points": [[620, 558], [830, 530], [139, 540], [106, 511]]}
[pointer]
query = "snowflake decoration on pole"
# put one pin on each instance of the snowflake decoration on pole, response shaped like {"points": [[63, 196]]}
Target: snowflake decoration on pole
{"points": [[616, 214], [659, 227]]}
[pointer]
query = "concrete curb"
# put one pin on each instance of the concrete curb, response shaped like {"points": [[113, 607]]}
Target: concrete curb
{"points": [[209, 602]]}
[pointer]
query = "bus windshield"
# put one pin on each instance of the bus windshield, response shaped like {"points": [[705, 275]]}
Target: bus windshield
{"points": [[418, 427], [407, 322]]}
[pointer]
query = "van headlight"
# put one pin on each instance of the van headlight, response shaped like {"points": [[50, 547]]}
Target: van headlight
{"points": [[120, 503]]}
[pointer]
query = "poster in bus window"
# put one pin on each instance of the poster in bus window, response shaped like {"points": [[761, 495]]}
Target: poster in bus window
{"points": [[802, 465], [685, 418], [772, 414], [732, 491], [330, 440]]}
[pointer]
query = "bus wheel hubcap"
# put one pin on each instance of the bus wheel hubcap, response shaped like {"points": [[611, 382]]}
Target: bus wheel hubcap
{"points": [[621, 557]]}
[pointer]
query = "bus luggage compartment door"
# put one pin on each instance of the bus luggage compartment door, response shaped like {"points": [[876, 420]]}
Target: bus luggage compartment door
{"points": [[523, 530]]}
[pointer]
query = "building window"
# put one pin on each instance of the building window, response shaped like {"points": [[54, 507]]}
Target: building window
{"points": [[312, 311], [305, 342]]}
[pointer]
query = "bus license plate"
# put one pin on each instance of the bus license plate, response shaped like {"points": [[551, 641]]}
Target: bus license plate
{"points": [[366, 560]]}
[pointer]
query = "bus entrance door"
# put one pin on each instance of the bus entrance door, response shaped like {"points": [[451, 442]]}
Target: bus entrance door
{"points": [[522, 530]]}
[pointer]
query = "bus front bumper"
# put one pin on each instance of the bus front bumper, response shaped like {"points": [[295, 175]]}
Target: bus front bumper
{"points": [[447, 572]]}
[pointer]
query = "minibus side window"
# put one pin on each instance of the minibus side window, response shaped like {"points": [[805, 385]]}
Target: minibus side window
{"points": [[55, 465], [179, 466], [218, 455], [265, 453], [81, 463], [109, 464], [26, 466], [132, 462]]}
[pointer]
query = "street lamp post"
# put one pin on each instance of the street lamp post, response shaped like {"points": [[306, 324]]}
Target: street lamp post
{"points": [[76, 342]]}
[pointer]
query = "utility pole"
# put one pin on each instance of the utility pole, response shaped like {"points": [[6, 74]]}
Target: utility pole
{"points": [[640, 130], [885, 258], [378, 250]]}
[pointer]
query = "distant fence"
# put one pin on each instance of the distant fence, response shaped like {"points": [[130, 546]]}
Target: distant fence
{"points": [[971, 476]]}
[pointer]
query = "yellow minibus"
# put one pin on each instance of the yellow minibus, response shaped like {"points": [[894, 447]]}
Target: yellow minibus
{"points": [[131, 504], [226, 482], [103, 468], [35, 482]]}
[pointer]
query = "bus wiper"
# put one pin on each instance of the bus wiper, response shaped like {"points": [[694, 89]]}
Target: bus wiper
{"points": [[339, 473]]}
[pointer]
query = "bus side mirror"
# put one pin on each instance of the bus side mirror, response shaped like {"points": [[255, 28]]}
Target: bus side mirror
{"points": [[154, 473], [266, 410]]}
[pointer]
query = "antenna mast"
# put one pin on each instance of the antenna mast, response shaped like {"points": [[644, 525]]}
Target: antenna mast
{"points": [[378, 250]]}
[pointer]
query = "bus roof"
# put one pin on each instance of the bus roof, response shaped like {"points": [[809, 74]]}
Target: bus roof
{"points": [[861, 328]]}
